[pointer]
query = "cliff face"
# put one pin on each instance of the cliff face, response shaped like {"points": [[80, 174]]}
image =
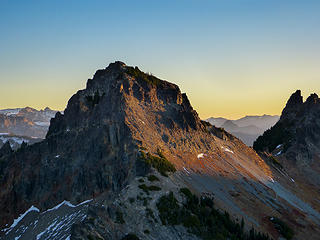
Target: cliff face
{"points": [[297, 133]]}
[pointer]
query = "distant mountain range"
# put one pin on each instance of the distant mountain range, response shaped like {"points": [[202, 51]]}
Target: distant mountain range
{"points": [[248, 128], [24, 125]]}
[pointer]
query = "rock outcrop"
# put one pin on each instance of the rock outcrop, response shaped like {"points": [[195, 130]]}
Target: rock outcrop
{"points": [[298, 129]]}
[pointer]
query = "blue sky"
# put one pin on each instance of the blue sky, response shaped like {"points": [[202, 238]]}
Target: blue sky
{"points": [[231, 57]]}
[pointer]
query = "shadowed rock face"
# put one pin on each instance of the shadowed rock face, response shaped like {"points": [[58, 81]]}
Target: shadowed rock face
{"points": [[298, 129], [295, 141], [90, 149]]}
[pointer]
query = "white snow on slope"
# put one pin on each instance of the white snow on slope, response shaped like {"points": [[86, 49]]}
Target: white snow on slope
{"points": [[68, 204], [271, 179], [43, 124], [201, 155], [16, 140], [9, 112], [60, 225], [278, 153], [57, 228], [227, 150], [84, 202], [16, 221], [186, 170]]}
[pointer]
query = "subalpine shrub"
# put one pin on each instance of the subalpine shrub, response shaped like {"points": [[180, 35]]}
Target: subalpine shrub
{"points": [[169, 210], [153, 178], [130, 236], [141, 76], [278, 134], [160, 163], [282, 227], [202, 219], [146, 188]]}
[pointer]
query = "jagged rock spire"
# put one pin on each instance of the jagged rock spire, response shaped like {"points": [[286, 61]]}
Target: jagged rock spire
{"points": [[313, 99]]}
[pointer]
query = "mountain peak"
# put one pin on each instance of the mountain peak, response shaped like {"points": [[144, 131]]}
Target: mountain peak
{"points": [[113, 89], [293, 105], [295, 99], [298, 126], [313, 99]]}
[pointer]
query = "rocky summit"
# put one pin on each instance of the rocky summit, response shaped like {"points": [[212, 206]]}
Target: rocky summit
{"points": [[130, 159], [295, 141]]}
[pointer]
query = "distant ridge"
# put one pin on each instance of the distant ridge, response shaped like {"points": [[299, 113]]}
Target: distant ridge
{"points": [[26, 121], [28, 125], [247, 128]]}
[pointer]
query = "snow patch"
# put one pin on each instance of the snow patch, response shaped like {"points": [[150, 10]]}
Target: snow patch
{"points": [[59, 205], [279, 146], [13, 139], [227, 150], [57, 156], [43, 124], [186, 170], [16, 221], [68, 204], [142, 121], [85, 202], [201, 155], [9, 112], [278, 153]]}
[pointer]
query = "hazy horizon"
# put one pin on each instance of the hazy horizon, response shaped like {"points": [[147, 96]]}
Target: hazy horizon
{"points": [[232, 58], [213, 116]]}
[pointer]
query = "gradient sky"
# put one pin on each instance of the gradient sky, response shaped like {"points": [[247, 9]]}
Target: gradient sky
{"points": [[231, 57]]}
